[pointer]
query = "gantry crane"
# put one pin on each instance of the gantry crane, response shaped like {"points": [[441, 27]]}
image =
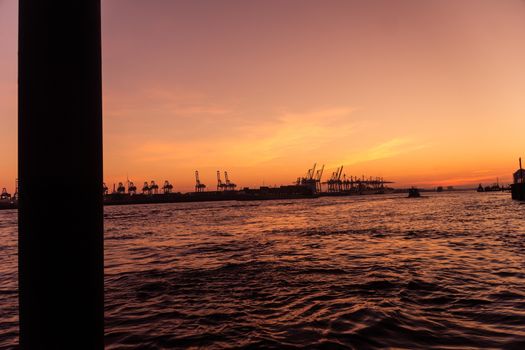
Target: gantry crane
{"points": [[220, 185], [132, 189], [145, 188], [312, 178], [120, 188], [5, 195], [199, 187], [318, 176], [335, 183], [229, 186], [167, 188], [153, 187]]}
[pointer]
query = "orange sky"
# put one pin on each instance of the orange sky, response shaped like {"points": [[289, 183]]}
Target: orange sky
{"points": [[419, 92]]}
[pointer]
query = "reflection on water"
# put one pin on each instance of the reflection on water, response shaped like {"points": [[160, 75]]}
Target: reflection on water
{"points": [[445, 271]]}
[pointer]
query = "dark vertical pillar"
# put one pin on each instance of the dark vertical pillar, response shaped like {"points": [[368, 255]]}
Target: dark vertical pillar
{"points": [[60, 172]]}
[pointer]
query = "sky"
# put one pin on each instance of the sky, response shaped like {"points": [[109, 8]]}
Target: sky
{"points": [[422, 93]]}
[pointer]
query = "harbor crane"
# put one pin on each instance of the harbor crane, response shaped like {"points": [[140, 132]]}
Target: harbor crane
{"points": [[167, 188], [105, 189], [335, 183], [221, 186], [132, 189], [199, 187], [310, 173], [229, 186], [338, 179], [5, 195], [145, 188], [318, 176], [312, 178], [153, 187], [120, 188]]}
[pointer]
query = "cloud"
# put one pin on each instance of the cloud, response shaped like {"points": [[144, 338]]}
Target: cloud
{"points": [[462, 180], [386, 149], [286, 135]]}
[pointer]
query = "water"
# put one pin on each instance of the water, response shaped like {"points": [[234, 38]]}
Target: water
{"points": [[446, 271]]}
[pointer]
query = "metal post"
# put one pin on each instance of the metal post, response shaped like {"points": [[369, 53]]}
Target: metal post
{"points": [[60, 172]]}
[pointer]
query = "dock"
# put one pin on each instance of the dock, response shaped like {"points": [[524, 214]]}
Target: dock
{"points": [[309, 186]]}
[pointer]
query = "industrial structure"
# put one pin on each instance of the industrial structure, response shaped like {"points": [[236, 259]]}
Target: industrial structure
{"points": [[5, 195], [229, 186], [132, 189], [167, 188], [312, 179], [120, 188], [199, 187], [220, 185], [308, 186]]}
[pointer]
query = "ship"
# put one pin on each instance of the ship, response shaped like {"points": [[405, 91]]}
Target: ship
{"points": [[518, 187], [7, 201], [413, 193]]}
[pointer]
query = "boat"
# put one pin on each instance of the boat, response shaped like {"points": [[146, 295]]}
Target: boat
{"points": [[6, 201], [413, 193], [518, 187]]}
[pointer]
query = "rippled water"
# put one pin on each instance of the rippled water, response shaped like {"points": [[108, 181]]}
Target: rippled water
{"points": [[445, 271]]}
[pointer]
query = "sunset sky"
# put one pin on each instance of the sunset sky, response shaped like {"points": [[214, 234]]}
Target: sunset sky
{"points": [[420, 92]]}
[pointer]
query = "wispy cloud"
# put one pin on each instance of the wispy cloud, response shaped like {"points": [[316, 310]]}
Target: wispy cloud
{"points": [[387, 149], [284, 135]]}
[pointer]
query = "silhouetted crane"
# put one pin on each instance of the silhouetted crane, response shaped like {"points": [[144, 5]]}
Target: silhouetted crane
{"points": [[105, 189], [229, 186], [310, 173], [132, 189], [153, 187], [335, 183], [199, 187], [318, 176], [167, 188], [220, 185], [120, 188], [4, 194], [311, 179], [145, 188]]}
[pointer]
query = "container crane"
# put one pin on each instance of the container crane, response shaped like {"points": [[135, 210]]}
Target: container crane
{"points": [[145, 188], [5, 195], [220, 185], [318, 176], [120, 188], [311, 172], [132, 189], [167, 188], [199, 187], [153, 187], [229, 186], [335, 183]]}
